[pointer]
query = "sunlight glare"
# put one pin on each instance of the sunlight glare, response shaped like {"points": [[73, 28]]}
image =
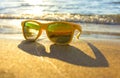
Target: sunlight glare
{"points": [[35, 10]]}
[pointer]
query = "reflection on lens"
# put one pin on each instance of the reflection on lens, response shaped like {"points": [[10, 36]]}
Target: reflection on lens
{"points": [[31, 30], [60, 32]]}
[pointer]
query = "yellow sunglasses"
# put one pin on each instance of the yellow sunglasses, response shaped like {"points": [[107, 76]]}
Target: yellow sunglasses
{"points": [[57, 32]]}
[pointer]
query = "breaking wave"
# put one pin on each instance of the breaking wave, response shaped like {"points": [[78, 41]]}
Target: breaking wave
{"points": [[97, 19]]}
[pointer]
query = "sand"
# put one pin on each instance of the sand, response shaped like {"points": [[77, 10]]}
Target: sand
{"points": [[42, 59]]}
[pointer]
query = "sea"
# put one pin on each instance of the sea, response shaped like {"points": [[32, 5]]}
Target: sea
{"points": [[97, 17]]}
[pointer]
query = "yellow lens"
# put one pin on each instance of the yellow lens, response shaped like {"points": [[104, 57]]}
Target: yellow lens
{"points": [[31, 30], [60, 32]]}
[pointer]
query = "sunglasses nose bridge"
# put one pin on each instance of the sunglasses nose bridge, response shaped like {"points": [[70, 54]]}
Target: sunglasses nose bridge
{"points": [[44, 26]]}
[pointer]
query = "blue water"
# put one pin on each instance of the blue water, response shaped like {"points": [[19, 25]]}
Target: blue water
{"points": [[98, 7]]}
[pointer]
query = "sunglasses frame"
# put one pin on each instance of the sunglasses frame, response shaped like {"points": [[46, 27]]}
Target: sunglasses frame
{"points": [[44, 26]]}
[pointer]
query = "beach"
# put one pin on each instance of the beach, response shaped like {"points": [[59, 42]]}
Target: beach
{"points": [[95, 54], [85, 58]]}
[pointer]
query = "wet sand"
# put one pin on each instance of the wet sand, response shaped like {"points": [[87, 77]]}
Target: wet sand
{"points": [[42, 59]]}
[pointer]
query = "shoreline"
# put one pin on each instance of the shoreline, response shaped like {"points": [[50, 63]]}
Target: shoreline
{"points": [[83, 37], [13, 27]]}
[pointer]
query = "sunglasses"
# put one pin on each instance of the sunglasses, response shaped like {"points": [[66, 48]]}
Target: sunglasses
{"points": [[57, 32]]}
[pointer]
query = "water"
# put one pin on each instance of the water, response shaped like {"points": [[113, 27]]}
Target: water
{"points": [[89, 11], [105, 12], [60, 6]]}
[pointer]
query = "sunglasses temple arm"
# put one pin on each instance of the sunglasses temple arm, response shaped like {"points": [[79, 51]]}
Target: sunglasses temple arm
{"points": [[78, 35], [80, 30]]}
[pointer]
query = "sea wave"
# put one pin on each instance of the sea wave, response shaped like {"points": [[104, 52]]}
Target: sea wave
{"points": [[116, 2], [97, 19]]}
